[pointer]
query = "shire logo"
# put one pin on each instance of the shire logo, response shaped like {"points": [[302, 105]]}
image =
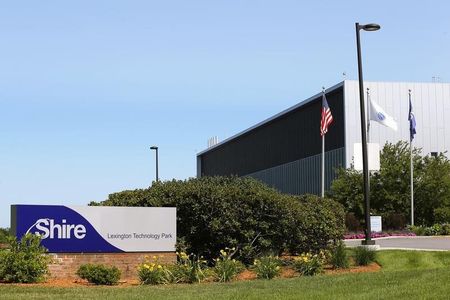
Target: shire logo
{"points": [[46, 228]]}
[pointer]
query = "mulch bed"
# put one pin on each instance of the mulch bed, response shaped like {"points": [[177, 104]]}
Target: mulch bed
{"points": [[246, 275]]}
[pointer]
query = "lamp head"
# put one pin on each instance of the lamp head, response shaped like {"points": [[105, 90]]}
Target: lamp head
{"points": [[154, 148], [370, 27]]}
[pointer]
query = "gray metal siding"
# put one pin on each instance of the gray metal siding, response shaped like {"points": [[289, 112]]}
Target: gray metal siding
{"points": [[431, 103], [303, 176]]}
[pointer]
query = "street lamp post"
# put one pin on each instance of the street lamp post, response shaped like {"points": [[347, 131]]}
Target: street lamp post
{"points": [[156, 150], [367, 27]]}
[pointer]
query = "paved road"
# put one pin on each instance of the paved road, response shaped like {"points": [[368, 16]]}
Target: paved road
{"points": [[425, 243]]}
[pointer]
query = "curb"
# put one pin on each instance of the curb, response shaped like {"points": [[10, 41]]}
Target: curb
{"points": [[403, 237]]}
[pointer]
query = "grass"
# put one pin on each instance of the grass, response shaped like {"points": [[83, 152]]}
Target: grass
{"points": [[405, 275]]}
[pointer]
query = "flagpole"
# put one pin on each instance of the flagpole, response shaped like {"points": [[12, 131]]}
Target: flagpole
{"points": [[412, 171], [323, 161]]}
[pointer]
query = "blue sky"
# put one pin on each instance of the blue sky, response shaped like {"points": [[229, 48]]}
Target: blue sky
{"points": [[87, 86]]}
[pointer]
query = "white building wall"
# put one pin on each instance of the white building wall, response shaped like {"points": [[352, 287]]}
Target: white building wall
{"points": [[431, 105]]}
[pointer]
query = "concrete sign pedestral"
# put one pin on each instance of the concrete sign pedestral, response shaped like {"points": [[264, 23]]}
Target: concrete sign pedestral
{"points": [[91, 229]]}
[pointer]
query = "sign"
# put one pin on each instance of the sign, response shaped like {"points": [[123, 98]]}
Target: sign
{"points": [[373, 156], [88, 229], [375, 224]]}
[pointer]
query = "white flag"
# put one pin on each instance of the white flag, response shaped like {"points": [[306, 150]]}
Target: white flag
{"points": [[378, 114]]}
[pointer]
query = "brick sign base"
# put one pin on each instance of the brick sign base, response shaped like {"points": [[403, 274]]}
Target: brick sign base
{"points": [[65, 265]]}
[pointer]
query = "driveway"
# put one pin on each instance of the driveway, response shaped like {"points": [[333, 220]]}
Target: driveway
{"points": [[414, 243]]}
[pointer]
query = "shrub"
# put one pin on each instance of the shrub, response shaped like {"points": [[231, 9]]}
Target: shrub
{"points": [[99, 274], [152, 272], [308, 264], [189, 269], [351, 222], [4, 235], [339, 258], [433, 230], [442, 214], [215, 212], [316, 223], [394, 221], [418, 230], [226, 268], [24, 261], [267, 267], [364, 255], [445, 229]]}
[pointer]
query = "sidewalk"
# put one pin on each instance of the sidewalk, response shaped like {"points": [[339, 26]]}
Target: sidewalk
{"points": [[426, 243]]}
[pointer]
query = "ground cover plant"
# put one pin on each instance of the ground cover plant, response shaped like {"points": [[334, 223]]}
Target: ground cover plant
{"points": [[267, 267], [339, 258], [308, 264], [226, 267], [99, 274], [24, 260], [151, 271], [218, 212], [189, 269], [405, 275], [436, 229], [364, 255]]}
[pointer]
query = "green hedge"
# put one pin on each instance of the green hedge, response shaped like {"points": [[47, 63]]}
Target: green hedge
{"points": [[99, 274], [218, 212]]}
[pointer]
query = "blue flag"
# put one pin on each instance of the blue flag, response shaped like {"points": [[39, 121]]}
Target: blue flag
{"points": [[412, 121]]}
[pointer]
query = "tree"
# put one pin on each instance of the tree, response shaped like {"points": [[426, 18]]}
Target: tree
{"points": [[390, 187]]}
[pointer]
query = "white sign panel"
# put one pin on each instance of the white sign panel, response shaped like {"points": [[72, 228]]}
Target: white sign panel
{"points": [[375, 224], [98, 228], [373, 156]]}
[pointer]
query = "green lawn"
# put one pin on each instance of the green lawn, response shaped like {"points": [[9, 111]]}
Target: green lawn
{"points": [[405, 275]]}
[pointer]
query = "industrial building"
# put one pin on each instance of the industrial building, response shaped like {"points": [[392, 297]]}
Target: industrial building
{"points": [[284, 151]]}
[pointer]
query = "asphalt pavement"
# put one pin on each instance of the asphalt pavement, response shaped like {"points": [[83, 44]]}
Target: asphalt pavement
{"points": [[441, 243]]}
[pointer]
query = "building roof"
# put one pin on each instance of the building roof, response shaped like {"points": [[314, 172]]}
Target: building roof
{"points": [[278, 115]]}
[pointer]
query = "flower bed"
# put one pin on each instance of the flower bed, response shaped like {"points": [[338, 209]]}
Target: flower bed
{"points": [[353, 236]]}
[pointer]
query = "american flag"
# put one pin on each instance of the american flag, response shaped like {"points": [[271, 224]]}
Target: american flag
{"points": [[327, 118]]}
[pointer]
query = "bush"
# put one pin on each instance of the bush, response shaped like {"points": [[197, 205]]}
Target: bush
{"points": [[364, 255], [394, 221], [351, 222], [308, 264], [226, 268], [418, 230], [24, 261], [316, 223], [433, 230], [267, 267], [442, 214], [4, 235], [189, 269], [216, 212], [445, 229], [99, 274], [152, 272], [339, 258]]}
